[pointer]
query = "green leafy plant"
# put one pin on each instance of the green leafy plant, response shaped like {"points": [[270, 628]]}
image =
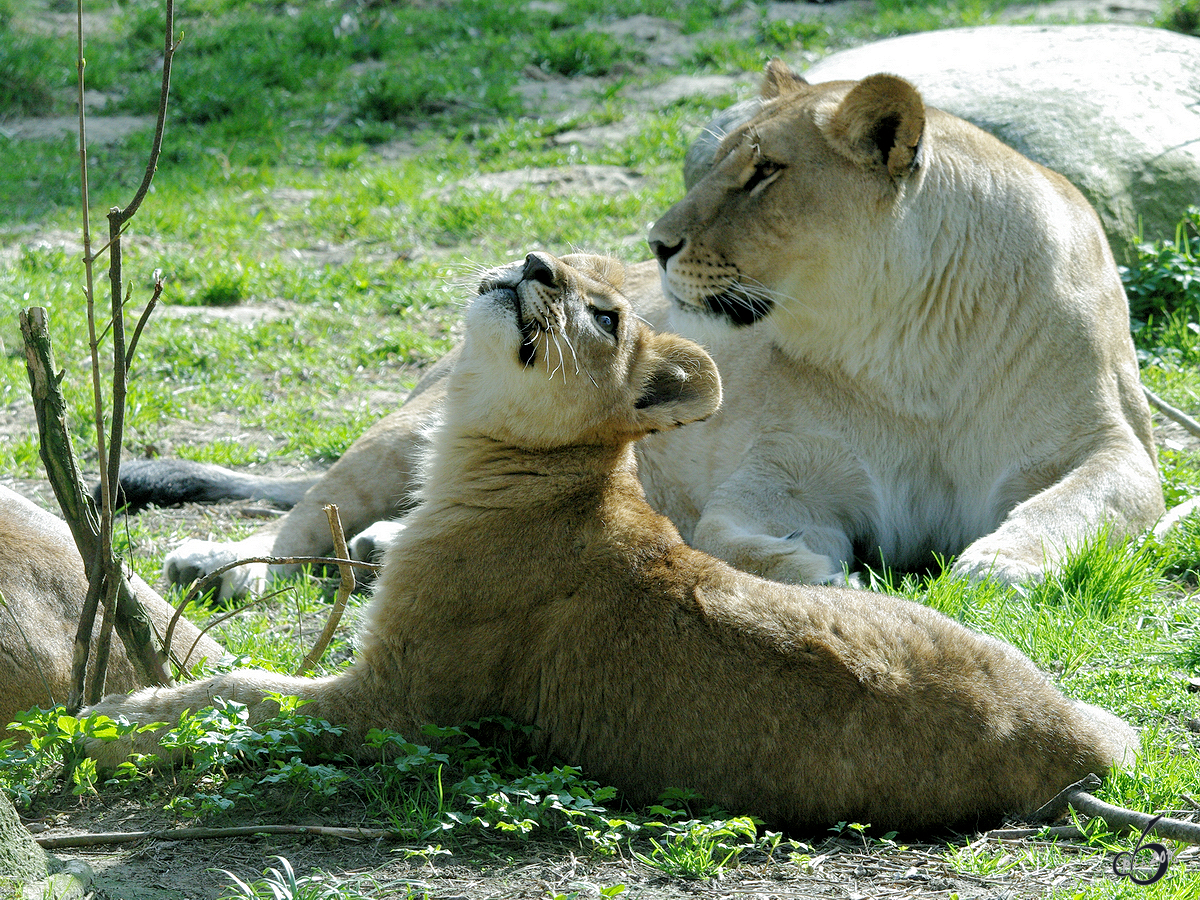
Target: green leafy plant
{"points": [[700, 849], [1162, 282], [233, 760], [52, 741], [283, 883]]}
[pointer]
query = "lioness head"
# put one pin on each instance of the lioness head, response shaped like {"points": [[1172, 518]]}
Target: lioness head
{"points": [[555, 356], [794, 194]]}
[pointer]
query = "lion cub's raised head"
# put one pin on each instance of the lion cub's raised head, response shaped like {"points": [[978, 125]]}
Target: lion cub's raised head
{"points": [[554, 356]]}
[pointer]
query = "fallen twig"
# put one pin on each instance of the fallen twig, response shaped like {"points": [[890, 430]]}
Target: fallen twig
{"points": [[203, 585], [95, 839], [1175, 415], [1115, 817]]}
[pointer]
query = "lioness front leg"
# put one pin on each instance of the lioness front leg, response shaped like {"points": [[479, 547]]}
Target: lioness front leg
{"points": [[1117, 489], [784, 516]]}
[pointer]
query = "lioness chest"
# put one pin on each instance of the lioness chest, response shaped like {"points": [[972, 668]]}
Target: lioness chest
{"points": [[808, 448]]}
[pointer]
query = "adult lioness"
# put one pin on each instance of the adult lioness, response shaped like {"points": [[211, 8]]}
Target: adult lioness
{"points": [[533, 581], [42, 585], [923, 337]]}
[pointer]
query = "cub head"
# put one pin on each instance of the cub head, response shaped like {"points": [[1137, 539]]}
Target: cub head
{"points": [[788, 195], [554, 356]]}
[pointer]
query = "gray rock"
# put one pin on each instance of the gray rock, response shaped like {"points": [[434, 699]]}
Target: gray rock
{"points": [[1114, 108], [21, 859], [28, 872]]}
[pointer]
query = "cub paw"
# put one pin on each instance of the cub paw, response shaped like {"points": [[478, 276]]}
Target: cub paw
{"points": [[195, 559]]}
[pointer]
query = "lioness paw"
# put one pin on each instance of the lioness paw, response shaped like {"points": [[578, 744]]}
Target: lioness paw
{"points": [[784, 559], [195, 559], [987, 560], [370, 543]]}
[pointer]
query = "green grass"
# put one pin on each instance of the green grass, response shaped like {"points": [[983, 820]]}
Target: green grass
{"points": [[315, 219]]}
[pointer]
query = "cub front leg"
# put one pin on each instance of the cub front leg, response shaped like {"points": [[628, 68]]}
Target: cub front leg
{"points": [[339, 700]]}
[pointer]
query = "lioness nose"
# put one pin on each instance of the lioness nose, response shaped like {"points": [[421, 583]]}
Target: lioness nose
{"points": [[664, 251], [537, 268]]}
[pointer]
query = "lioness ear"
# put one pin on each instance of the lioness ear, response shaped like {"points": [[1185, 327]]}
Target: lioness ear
{"points": [[681, 386], [779, 80], [880, 122]]}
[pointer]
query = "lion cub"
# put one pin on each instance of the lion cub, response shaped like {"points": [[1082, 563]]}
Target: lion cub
{"points": [[534, 581]]}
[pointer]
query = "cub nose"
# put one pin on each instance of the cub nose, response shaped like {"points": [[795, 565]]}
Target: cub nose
{"points": [[538, 268]]}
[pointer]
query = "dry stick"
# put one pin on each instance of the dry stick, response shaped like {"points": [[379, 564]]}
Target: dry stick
{"points": [[62, 469], [177, 834], [1116, 817], [1176, 415], [203, 585], [345, 589]]}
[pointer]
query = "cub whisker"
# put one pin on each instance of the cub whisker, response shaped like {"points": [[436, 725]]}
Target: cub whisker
{"points": [[571, 347], [554, 336]]}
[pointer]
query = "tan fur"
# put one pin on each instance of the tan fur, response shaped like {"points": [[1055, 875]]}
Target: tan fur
{"points": [[946, 369], [42, 584], [533, 581]]}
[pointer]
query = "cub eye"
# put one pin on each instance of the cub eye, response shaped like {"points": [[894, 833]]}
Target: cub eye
{"points": [[764, 172], [606, 319]]}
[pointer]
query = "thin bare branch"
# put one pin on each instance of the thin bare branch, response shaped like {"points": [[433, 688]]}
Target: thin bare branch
{"points": [[143, 319], [345, 589], [169, 48]]}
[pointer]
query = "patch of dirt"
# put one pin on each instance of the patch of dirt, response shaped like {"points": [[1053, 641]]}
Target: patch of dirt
{"points": [[558, 182], [100, 129], [158, 868]]}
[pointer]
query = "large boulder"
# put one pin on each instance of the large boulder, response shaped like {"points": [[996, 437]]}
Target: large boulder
{"points": [[1114, 108], [21, 859], [27, 872]]}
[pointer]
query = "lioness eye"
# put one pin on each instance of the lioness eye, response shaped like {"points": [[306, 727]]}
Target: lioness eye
{"points": [[764, 171], [606, 320]]}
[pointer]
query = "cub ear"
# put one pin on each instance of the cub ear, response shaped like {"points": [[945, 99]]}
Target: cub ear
{"points": [[602, 268], [880, 123], [680, 386], [779, 80]]}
